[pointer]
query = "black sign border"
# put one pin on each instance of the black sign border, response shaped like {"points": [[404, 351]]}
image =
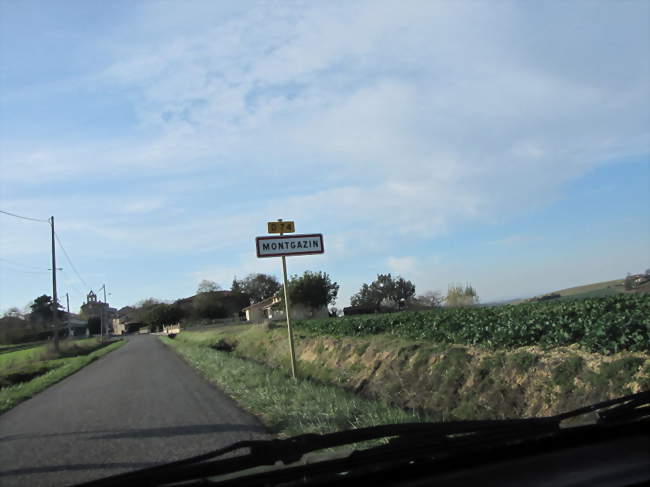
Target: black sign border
{"points": [[293, 235]]}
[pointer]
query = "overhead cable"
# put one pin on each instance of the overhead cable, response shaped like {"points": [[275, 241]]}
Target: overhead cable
{"points": [[23, 271], [24, 217], [74, 288], [70, 260], [20, 264]]}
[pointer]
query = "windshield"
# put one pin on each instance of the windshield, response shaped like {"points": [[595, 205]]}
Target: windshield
{"points": [[241, 221]]}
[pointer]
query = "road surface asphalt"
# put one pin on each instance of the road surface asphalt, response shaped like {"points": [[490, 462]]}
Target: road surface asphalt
{"points": [[136, 407]]}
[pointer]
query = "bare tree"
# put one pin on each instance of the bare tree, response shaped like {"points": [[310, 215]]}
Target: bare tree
{"points": [[13, 312], [206, 286], [430, 299], [459, 296]]}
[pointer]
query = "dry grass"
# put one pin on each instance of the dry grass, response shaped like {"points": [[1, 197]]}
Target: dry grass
{"points": [[286, 406], [457, 382]]}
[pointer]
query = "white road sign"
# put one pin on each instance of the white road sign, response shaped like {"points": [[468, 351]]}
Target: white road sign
{"points": [[290, 245]]}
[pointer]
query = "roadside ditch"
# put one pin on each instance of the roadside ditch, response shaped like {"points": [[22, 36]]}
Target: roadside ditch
{"points": [[456, 382]]}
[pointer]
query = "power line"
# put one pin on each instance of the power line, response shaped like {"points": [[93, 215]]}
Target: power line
{"points": [[26, 272], [24, 217], [20, 264], [74, 288], [70, 260], [65, 252], [23, 271]]}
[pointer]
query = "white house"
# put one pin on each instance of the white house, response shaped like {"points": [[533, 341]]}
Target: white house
{"points": [[261, 311], [268, 309]]}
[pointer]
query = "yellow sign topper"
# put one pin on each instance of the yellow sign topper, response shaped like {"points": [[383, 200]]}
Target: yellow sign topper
{"points": [[281, 227]]}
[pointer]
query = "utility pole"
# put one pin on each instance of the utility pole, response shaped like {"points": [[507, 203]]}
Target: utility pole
{"points": [[101, 316], [67, 303], [55, 303]]}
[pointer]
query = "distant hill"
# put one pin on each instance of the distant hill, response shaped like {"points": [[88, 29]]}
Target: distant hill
{"points": [[605, 288], [597, 289]]}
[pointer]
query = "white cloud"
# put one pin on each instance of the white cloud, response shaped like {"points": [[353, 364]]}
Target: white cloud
{"points": [[368, 120], [511, 239], [429, 128], [407, 115], [402, 265], [142, 206], [242, 265]]}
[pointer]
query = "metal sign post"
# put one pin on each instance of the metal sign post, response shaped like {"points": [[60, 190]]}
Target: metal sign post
{"points": [[286, 312], [282, 246]]}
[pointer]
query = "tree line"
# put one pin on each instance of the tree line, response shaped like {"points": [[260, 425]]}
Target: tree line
{"points": [[388, 293], [209, 303], [312, 289], [32, 324]]}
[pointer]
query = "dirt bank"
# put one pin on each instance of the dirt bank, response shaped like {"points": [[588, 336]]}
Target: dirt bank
{"points": [[456, 381]]}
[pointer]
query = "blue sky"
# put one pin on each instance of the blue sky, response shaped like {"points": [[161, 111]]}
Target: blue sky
{"points": [[504, 144]]}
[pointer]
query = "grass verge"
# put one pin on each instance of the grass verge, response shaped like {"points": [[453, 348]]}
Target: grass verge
{"points": [[20, 355], [455, 382], [289, 407], [19, 346], [58, 370], [44, 351]]}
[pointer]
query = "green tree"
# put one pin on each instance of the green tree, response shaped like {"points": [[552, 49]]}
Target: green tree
{"points": [[402, 291], [41, 309], [371, 295], [313, 289], [239, 295], [208, 305], [384, 290], [15, 329], [163, 314], [368, 296], [258, 286], [141, 308]]}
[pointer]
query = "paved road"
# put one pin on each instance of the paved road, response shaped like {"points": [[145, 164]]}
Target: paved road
{"points": [[138, 406]]}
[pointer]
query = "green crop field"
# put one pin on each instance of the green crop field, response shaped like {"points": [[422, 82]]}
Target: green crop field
{"points": [[21, 355], [603, 324]]}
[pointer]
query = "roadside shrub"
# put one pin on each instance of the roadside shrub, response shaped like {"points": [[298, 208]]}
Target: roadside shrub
{"points": [[70, 349]]}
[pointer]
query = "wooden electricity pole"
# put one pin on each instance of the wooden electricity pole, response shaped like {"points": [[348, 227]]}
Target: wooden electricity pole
{"points": [[101, 316], [55, 302]]}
